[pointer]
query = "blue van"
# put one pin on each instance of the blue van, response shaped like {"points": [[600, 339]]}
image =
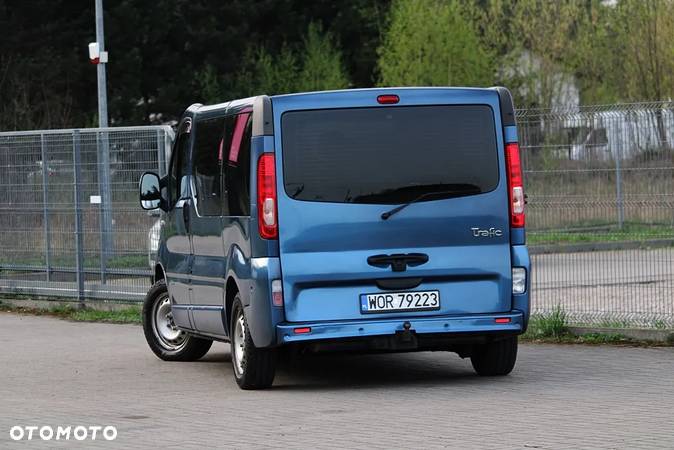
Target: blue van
{"points": [[359, 220]]}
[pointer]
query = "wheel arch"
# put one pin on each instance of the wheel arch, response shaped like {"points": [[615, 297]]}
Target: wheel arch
{"points": [[231, 289], [159, 273], [251, 278]]}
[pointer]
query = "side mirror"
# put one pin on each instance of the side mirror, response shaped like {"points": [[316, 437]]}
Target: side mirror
{"points": [[150, 191]]}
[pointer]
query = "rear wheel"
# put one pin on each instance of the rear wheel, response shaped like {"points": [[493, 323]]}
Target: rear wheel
{"points": [[495, 358], [254, 368], [165, 339]]}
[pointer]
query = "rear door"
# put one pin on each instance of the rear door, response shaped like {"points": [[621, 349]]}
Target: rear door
{"points": [[342, 168]]}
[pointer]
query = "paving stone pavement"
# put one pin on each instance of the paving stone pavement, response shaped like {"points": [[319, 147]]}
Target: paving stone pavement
{"points": [[55, 372]]}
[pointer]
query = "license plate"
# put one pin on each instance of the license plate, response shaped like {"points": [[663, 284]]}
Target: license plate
{"points": [[399, 301]]}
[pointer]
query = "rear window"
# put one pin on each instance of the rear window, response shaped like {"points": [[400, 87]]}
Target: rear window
{"points": [[389, 155]]}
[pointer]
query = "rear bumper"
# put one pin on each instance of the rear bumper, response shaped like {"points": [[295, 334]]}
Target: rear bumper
{"points": [[474, 324]]}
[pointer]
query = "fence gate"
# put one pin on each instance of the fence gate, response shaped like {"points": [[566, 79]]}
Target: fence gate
{"points": [[70, 222]]}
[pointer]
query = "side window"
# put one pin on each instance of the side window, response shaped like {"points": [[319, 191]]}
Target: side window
{"points": [[237, 167], [179, 165], [209, 147]]}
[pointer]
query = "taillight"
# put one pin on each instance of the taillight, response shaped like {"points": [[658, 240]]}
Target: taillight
{"points": [[388, 99], [277, 293], [266, 197], [515, 185]]}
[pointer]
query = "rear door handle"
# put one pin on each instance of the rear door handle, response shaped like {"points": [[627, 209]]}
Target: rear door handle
{"points": [[398, 261]]}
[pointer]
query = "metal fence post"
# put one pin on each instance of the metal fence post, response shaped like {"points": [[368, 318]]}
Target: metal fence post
{"points": [[79, 257], [106, 201], [619, 189], [160, 153], [45, 205]]}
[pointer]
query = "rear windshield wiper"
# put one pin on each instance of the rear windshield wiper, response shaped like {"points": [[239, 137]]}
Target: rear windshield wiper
{"points": [[470, 189]]}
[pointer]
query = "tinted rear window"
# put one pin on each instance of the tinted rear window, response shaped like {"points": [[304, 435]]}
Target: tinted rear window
{"points": [[389, 155]]}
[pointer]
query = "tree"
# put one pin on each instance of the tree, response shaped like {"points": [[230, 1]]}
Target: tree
{"points": [[646, 34], [615, 51], [210, 87], [433, 43], [263, 73], [532, 41], [313, 66], [544, 33], [644, 43], [322, 67], [164, 54], [592, 54], [41, 82], [167, 54]]}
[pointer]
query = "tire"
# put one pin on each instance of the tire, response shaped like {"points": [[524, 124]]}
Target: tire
{"points": [[495, 358], [254, 368], [164, 338]]}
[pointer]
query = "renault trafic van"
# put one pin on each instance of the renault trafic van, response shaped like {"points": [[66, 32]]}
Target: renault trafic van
{"points": [[362, 220]]}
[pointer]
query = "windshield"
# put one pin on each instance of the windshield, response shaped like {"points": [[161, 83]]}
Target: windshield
{"points": [[389, 155]]}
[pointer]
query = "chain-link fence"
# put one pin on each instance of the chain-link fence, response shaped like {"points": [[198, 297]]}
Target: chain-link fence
{"points": [[600, 217], [600, 183], [70, 220]]}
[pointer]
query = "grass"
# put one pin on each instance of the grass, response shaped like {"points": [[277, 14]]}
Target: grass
{"points": [[604, 338], [615, 324], [549, 326], [660, 325], [130, 314], [630, 232], [553, 328], [90, 262]]}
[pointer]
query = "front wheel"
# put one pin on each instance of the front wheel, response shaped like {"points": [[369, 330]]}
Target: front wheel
{"points": [[166, 340], [254, 368], [495, 358]]}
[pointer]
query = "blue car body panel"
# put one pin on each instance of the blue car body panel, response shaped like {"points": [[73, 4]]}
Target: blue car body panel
{"points": [[522, 302]]}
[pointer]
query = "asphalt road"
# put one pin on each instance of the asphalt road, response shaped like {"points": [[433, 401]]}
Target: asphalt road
{"points": [[59, 373]]}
